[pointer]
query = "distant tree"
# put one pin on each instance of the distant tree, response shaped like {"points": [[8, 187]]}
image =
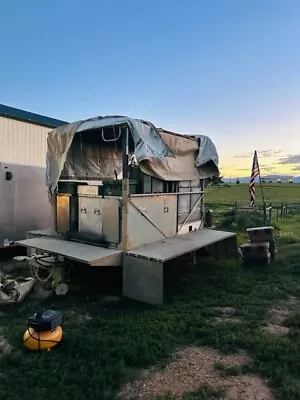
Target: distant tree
{"points": [[215, 180]]}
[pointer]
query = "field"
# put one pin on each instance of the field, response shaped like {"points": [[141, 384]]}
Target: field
{"points": [[274, 193], [238, 329]]}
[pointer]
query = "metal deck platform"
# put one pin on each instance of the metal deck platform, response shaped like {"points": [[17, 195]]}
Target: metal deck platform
{"points": [[177, 246], [92, 255], [143, 268]]}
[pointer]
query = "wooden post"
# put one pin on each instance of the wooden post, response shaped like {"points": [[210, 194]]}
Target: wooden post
{"points": [[265, 213], [236, 212]]}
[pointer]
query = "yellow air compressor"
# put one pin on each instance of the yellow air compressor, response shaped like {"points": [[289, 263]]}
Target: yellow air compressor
{"points": [[44, 330]]}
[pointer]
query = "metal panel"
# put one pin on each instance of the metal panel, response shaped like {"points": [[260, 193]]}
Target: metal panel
{"points": [[143, 280], [22, 142], [111, 220], [151, 218], [157, 186], [92, 255], [147, 183], [181, 244], [62, 213], [87, 190], [7, 206], [24, 203], [90, 216]]}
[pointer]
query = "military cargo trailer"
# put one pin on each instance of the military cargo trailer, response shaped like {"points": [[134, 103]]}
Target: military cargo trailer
{"points": [[125, 193]]}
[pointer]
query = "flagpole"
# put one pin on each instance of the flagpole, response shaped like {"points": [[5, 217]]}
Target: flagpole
{"points": [[260, 182], [262, 192]]}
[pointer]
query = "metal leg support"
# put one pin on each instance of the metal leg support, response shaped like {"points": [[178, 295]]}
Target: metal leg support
{"points": [[143, 280]]}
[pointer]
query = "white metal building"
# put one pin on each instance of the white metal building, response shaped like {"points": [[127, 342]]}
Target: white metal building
{"points": [[23, 196], [23, 136]]}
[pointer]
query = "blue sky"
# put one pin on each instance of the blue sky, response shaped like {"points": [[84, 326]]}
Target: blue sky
{"points": [[226, 68]]}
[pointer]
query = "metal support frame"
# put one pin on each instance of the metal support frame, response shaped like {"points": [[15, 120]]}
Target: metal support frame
{"points": [[125, 189], [193, 209], [165, 194]]}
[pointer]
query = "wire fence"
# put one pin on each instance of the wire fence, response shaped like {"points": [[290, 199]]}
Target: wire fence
{"points": [[238, 215]]}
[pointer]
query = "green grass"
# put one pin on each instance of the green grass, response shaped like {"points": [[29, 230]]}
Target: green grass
{"points": [[274, 193], [99, 354], [221, 201]]}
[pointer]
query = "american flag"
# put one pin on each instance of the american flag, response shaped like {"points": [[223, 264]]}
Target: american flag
{"points": [[254, 173]]}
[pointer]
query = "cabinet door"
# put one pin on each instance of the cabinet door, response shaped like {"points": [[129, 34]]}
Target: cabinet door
{"points": [[90, 217]]}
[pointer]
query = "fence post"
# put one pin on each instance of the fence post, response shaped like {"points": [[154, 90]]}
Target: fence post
{"points": [[270, 214], [281, 211], [236, 212], [265, 213]]}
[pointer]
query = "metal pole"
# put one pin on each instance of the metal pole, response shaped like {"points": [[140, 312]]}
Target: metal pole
{"points": [[125, 189], [262, 192]]}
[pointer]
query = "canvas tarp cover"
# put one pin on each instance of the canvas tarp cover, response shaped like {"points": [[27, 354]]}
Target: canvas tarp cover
{"points": [[159, 154]]}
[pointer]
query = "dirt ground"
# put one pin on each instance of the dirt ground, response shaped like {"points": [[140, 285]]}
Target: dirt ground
{"points": [[193, 368]]}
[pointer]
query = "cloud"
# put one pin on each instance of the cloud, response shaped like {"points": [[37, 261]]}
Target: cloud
{"points": [[269, 153], [267, 166], [290, 159], [296, 169], [261, 166], [244, 155], [260, 154]]}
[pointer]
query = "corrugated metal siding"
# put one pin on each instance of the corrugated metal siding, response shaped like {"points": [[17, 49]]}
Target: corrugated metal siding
{"points": [[22, 142]]}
